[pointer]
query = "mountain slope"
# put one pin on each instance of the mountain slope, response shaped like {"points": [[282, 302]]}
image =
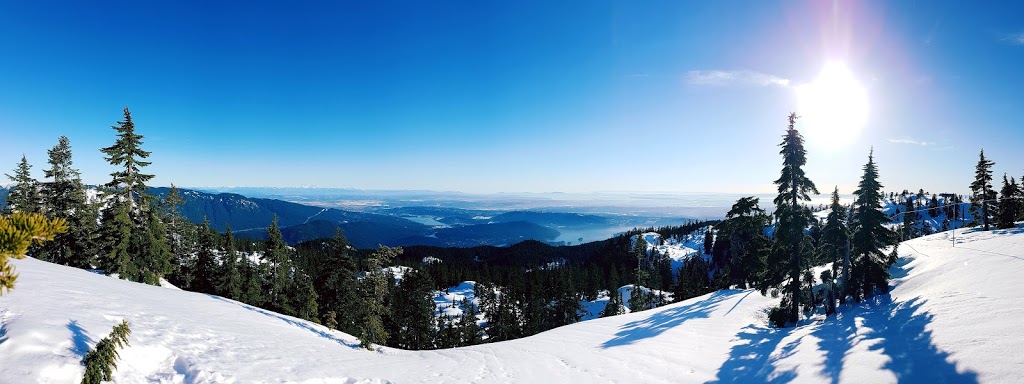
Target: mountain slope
{"points": [[953, 316], [249, 217]]}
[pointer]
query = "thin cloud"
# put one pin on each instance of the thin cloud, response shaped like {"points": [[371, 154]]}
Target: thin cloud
{"points": [[737, 78], [1015, 39], [912, 142]]}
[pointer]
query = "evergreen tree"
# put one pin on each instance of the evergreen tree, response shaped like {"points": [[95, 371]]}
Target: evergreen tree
{"points": [[413, 312], [709, 241], [1019, 197], [252, 284], [470, 332], [982, 189], [933, 206], [340, 288], [230, 277], [182, 238], [24, 195], [1009, 206], [870, 236], [638, 299], [330, 320], [206, 264], [909, 225], [566, 308], [614, 306], [64, 198], [17, 232], [304, 299], [835, 246], [791, 217], [155, 250], [117, 230], [126, 153], [693, 279], [100, 362], [276, 257], [743, 234], [374, 290]]}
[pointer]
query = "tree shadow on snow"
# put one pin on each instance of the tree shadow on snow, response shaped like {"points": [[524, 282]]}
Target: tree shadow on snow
{"points": [[914, 357], [291, 321], [662, 321], [751, 360], [79, 340], [3, 332]]}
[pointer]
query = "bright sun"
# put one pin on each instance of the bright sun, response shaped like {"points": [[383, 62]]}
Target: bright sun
{"points": [[833, 108]]}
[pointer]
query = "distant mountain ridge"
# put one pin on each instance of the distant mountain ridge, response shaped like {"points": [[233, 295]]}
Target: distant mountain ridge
{"points": [[250, 217]]}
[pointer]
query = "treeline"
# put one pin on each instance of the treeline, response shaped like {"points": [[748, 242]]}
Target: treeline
{"points": [[776, 252], [120, 229]]}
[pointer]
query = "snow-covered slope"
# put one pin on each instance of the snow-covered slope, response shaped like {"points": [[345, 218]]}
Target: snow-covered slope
{"points": [[953, 316]]}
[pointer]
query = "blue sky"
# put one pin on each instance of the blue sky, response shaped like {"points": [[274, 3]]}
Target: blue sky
{"points": [[481, 96]]}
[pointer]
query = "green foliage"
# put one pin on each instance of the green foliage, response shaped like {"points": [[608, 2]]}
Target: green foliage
{"points": [[206, 260], [1009, 204], [24, 195], [412, 315], [101, 362], [127, 153], [330, 320], [17, 232], [117, 233], [834, 244], [278, 261], [742, 237], [693, 279], [614, 306], [469, 331], [869, 264], [982, 190], [374, 291], [791, 218], [230, 276], [63, 196]]}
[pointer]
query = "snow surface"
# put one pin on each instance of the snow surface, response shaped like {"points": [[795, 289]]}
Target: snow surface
{"points": [[678, 249], [953, 316]]}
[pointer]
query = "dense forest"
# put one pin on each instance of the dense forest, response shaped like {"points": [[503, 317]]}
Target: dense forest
{"points": [[121, 229]]}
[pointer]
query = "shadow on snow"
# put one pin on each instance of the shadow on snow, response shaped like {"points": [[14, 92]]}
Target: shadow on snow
{"points": [[79, 340], [290, 321], [895, 329], [660, 322]]}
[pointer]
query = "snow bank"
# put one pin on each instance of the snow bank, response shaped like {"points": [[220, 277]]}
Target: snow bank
{"points": [[952, 316]]}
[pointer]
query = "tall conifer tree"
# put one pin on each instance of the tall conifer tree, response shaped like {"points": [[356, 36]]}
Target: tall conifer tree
{"points": [[791, 217], [276, 256], [870, 237], [206, 260], [1009, 206], [982, 189], [374, 291], [127, 153], [341, 291], [64, 197], [230, 278], [834, 239], [24, 194]]}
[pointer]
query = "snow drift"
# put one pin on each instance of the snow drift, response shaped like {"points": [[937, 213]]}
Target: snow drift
{"points": [[953, 316]]}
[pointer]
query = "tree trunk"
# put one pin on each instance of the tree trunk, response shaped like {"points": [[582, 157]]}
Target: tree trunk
{"points": [[984, 207], [794, 286], [843, 289]]}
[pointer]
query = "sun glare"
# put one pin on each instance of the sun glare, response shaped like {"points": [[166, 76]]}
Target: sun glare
{"points": [[833, 108]]}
